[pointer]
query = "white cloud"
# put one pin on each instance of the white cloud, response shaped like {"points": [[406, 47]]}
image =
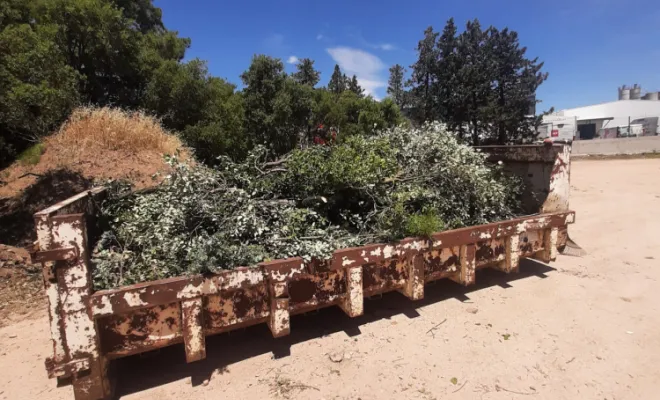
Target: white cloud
{"points": [[386, 46], [366, 66], [320, 36], [293, 60]]}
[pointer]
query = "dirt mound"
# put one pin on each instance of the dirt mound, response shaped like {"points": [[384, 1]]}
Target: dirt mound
{"points": [[92, 147], [100, 144]]}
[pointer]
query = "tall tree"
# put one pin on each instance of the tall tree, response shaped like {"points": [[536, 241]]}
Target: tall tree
{"points": [[306, 74], [515, 80], [337, 82], [446, 71], [277, 108], [424, 77], [395, 85], [354, 86], [473, 83]]}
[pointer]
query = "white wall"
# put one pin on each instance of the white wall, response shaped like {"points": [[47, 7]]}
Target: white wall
{"points": [[636, 145], [619, 110]]}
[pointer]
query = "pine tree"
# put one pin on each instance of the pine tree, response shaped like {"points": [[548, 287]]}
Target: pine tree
{"points": [[473, 83], [446, 71], [424, 77], [354, 86], [515, 80], [337, 81], [306, 74], [395, 88]]}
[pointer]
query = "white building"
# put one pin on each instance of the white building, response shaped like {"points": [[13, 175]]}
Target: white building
{"points": [[595, 119]]}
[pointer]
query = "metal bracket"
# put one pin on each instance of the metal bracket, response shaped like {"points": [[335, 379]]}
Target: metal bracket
{"points": [[65, 370], [65, 254]]}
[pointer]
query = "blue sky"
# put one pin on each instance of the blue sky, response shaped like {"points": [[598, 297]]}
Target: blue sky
{"points": [[589, 46]]}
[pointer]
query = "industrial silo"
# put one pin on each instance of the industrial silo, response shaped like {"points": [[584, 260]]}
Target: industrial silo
{"points": [[636, 92], [624, 93], [653, 96]]}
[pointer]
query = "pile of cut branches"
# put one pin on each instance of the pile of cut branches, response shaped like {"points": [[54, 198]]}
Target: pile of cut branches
{"points": [[404, 182]]}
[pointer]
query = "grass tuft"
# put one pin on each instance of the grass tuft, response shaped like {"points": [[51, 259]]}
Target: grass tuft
{"points": [[32, 154]]}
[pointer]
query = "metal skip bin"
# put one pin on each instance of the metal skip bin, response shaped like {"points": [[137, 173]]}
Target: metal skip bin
{"points": [[89, 329]]}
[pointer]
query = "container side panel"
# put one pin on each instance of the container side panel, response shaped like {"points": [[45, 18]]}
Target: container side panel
{"points": [[384, 276], [236, 307], [317, 289], [140, 330]]}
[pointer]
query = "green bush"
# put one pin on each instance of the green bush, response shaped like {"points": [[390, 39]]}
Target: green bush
{"points": [[32, 154]]}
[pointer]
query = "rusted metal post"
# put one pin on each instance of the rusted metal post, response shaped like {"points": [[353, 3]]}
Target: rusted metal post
{"points": [[549, 252], [466, 276], [68, 282], [279, 319], [414, 287], [353, 301], [512, 260], [192, 314]]}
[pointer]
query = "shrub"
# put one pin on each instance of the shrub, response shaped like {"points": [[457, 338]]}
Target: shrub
{"points": [[32, 154]]}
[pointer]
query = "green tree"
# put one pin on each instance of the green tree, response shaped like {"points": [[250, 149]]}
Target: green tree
{"points": [[514, 80], [423, 78], [395, 85], [179, 93], [37, 87], [145, 16], [446, 71], [474, 79], [277, 108], [354, 86], [337, 82], [221, 131], [306, 74]]}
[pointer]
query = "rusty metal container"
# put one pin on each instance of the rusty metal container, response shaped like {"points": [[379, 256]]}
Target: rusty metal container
{"points": [[89, 329]]}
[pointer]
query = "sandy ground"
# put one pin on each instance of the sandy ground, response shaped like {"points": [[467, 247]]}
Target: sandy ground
{"points": [[582, 328]]}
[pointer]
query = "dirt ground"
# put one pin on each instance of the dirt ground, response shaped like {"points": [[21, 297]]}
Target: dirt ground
{"points": [[581, 328]]}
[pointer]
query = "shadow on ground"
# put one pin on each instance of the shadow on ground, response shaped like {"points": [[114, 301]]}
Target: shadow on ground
{"points": [[16, 220], [138, 373]]}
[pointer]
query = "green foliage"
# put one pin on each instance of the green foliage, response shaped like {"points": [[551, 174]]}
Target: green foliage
{"points": [[424, 225], [337, 82], [308, 203], [37, 88], [354, 86], [32, 154], [478, 82], [306, 74], [395, 85]]}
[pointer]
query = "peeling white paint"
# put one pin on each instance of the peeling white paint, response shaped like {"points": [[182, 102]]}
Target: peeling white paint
{"points": [[345, 261], [353, 302], [80, 331], [105, 308], [134, 300], [55, 336], [377, 252], [387, 251], [194, 333]]}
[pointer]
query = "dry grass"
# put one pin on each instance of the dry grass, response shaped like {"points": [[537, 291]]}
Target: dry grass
{"points": [[106, 128], [101, 144]]}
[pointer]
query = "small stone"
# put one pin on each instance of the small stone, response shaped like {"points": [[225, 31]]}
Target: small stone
{"points": [[205, 383], [472, 310], [13, 336], [336, 357]]}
